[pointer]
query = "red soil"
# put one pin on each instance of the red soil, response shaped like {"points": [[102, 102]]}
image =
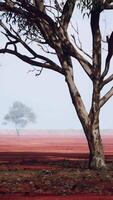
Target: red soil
{"points": [[71, 197], [53, 147], [49, 142]]}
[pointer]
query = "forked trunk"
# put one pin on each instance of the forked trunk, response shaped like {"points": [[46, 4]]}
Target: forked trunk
{"points": [[89, 121], [90, 124]]}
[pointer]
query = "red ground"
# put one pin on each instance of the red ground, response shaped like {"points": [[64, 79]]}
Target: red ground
{"points": [[73, 197], [48, 146], [50, 142]]}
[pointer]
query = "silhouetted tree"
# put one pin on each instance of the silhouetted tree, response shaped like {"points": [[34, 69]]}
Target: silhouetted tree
{"points": [[20, 115]]}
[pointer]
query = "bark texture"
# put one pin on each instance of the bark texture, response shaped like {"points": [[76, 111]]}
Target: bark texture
{"points": [[96, 157]]}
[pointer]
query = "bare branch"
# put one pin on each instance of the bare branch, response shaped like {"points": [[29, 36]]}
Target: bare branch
{"points": [[83, 61], [37, 71], [80, 47], [106, 97], [108, 80], [109, 56], [96, 36], [80, 43], [67, 13], [46, 50], [29, 60]]}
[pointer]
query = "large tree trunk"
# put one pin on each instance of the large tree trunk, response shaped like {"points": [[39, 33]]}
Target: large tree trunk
{"points": [[96, 158], [90, 123], [96, 152]]}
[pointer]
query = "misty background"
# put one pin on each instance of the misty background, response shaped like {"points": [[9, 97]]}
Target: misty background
{"points": [[47, 94]]}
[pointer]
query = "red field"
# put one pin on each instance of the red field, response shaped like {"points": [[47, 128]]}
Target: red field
{"points": [[43, 146], [35, 141]]}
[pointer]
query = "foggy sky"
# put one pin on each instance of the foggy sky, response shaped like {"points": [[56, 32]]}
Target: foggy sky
{"points": [[48, 95]]}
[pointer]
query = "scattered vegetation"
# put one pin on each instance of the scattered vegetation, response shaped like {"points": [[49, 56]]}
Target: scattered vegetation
{"points": [[72, 177]]}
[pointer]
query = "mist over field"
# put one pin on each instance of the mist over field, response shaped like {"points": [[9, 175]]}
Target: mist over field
{"points": [[51, 132], [68, 141]]}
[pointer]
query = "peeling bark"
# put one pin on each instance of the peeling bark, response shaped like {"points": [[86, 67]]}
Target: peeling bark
{"points": [[96, 156]]}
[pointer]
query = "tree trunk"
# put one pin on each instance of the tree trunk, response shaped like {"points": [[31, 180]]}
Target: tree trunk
{"points": [[17, 131], [92, 131], [96, 152], [96, 158], [89, 121]]}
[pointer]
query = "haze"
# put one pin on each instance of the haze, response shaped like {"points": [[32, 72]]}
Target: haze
{"points": [[47, 94]]}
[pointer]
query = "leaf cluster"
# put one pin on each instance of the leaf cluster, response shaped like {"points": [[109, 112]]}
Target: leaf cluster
{"points": [[85, 6], [23, 20], [20, 115]]}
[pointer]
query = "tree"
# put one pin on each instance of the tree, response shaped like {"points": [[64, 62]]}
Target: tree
{"points": [[46, 23], [20, 115]]}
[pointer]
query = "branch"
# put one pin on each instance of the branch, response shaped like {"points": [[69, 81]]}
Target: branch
{"points": [[108, 5], [29, 49], [79, 41], [80, 47], [11, 8], [108, 80], [39, 4], [37, 71], [29, 60], [45, 23], [48, 30], [106, 97], [83, 62], [77, 101], [96, 37], [67, 13], [26, 10], [109, 56]]}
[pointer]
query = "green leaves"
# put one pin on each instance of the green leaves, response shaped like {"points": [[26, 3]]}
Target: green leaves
{"points": [[85, 6]]}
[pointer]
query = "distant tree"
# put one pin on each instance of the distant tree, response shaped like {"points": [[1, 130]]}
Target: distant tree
{"points": [[46, 23], [20, 115]]}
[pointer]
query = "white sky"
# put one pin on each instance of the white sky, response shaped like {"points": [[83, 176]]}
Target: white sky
{"points": [[47, 94]]}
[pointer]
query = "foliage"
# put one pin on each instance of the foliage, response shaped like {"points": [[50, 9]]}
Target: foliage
{"points": [[20, 115], [85, 5]]}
